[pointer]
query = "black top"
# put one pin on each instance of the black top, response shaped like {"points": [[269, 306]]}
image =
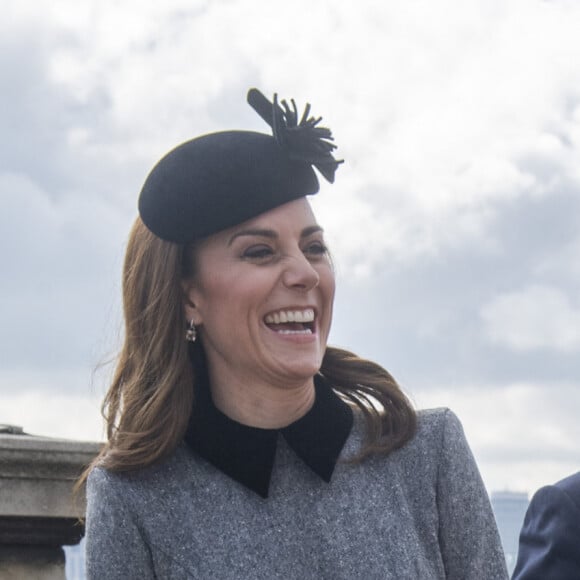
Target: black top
{"points": [[246, 453]]}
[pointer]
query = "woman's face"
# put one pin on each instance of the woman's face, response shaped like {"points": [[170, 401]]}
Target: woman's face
{"points": [[261, 297]]}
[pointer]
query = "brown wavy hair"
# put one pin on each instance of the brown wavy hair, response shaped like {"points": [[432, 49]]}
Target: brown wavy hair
{"points": [[149, 402]]}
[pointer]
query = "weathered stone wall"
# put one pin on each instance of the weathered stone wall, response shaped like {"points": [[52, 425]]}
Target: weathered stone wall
{"points": [[38, 511]]}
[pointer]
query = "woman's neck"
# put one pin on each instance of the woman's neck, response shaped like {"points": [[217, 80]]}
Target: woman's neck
{"points": [[262, 405]]}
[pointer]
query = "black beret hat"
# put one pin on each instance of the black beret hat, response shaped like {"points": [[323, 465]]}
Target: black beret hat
{"points": [[219, 180]]}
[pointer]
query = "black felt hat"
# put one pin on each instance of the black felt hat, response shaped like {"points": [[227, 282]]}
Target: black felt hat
{"points": [[222, 179]]}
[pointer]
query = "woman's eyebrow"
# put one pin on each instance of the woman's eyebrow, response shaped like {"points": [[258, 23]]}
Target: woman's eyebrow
{"points": [[254, 232], [265, 233], [310, 230]]}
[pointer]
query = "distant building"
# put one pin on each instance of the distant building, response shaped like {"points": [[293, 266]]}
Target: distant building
{"points": [[75, 561], [509, 508]]}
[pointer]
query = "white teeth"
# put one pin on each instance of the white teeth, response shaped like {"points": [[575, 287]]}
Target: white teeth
{"points": [[283, 316], [306, 331]]}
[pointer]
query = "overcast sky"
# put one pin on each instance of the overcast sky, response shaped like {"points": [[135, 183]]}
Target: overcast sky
{"points": [[454, 222]]}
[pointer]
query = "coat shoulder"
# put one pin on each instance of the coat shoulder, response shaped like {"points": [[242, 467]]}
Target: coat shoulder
{"points": [[571, 486]]}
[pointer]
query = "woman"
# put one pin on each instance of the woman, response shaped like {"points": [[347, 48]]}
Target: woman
{"points": [[239, 444]]}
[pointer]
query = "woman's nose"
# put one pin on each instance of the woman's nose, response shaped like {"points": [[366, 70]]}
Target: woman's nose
{"points": [[299, 273]]}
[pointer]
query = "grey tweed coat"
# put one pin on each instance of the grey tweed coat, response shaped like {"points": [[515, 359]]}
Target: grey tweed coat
{"points": [[420, 513]]}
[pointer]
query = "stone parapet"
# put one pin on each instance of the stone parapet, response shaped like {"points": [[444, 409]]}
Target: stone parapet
{"points": [[38, 511]]}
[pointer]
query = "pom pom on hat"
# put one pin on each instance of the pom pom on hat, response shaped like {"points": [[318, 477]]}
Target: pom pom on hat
{"points": [[219, 180]]}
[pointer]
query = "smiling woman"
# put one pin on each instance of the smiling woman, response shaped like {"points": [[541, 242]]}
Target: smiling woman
{"points": [[239, 444], [264, 314]]}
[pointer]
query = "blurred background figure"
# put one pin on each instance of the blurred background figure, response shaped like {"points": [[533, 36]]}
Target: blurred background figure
{"points": [[550, 538]]}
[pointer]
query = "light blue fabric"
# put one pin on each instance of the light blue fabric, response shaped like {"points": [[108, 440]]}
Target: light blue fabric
{"points": [[420, 513]]}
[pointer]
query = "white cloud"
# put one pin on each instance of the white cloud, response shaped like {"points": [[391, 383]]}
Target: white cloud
{"points": [[46, 414], [433, 114], [449, 115], [60, 283], [562, 264], [523, 435], [63, 403], [535, 318]]}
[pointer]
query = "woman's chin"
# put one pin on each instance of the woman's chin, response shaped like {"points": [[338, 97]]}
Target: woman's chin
{"points": [[302, 370]]}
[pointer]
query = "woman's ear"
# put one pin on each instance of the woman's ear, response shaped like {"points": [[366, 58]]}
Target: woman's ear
{"points": [[190, 303]]}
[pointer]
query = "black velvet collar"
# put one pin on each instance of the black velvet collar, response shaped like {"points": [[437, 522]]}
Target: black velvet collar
{"points": [[246, 454]]}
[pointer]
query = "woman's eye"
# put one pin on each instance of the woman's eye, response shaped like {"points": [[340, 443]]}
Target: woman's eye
{"points": [[258, 253], [316, 249]]}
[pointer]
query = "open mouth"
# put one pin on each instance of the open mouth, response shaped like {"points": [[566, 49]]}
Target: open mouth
{"points": [[291, 321]]}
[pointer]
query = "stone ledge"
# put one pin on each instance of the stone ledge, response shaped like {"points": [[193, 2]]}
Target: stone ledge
{"points": [[37, 475], [38, 511], [27, 456], [31, 563], [37, 531]]}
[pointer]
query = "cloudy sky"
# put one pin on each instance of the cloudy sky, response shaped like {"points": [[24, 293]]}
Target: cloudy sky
{"points": [[454, 222]]}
